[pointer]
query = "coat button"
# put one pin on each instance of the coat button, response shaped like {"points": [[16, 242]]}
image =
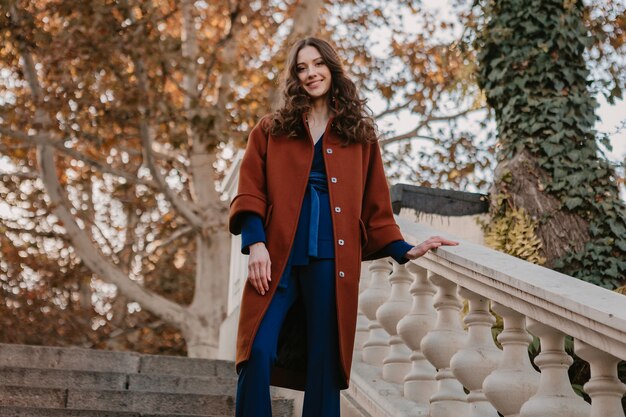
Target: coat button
{"points": [[340, 241], [341, 274], [329, 150], [333, 180], [337, 209]]}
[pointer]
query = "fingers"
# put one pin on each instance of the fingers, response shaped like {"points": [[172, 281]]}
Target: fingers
{"points": [[259, 274], [253, 277], [432, 242], [442, 241], [428, 245], [449, 242], [264, 283]]}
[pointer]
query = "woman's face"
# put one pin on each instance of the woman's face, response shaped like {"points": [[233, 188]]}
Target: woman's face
{"points": [[313, 72]]}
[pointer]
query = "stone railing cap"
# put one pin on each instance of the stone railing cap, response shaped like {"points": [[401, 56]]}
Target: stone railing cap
{"points": [[573, 306]]}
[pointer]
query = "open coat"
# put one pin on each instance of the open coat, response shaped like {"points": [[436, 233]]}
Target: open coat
{"points": [[272, 183]]}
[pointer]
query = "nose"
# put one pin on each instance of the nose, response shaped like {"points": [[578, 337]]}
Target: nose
{"points": [[311, 72]]}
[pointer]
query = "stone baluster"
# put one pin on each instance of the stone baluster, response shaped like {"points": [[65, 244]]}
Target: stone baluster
{"points": [[419, 383], [396, 364], [479, 356], [440, 344], [555, 396], [515, 380], [376, 347], [362, 323], [604, 387]]}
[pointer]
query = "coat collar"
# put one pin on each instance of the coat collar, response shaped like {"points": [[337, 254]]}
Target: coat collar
{"points": [[329, 134]]}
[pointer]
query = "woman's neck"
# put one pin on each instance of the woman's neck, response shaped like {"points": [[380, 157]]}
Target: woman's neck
{"points": [[320, 112]]}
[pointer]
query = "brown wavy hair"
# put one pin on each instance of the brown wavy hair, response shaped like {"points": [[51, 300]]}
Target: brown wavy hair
{"points": [[352, 120]]}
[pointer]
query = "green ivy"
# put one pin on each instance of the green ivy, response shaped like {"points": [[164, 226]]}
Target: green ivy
{"points": [[534, 76]]}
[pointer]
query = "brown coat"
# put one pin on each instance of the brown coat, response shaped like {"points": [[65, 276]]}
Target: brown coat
{"points": [[272, 183]]}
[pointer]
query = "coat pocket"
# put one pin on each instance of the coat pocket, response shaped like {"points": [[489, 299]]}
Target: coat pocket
{"points": [[363, 233], [268, 216]]}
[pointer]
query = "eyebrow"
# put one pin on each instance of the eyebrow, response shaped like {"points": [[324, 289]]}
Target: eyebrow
{"points": [[314, 60]]}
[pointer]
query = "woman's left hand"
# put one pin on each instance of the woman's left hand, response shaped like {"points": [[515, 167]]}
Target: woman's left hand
{"points": [[432, 242]]}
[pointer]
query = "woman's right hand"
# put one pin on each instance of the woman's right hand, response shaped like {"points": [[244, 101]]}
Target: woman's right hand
{"points": [[259, 267]]}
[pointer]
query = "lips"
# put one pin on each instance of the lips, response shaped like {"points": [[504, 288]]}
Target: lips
{"points": [[314, 84]]}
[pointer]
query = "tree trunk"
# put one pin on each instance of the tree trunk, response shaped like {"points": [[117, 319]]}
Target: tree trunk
{"points": [[524, 182], [208, 308]]}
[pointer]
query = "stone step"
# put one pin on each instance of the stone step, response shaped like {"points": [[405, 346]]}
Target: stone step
{"points": [[63, 412], [183, 385], [180, 365], [142, 402], [11, 395], [46, 357], [63, 378], [25, 356]]}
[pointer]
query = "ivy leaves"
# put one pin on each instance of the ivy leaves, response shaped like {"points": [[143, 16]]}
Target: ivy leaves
{"points": [[534, 75], [514, 233]]}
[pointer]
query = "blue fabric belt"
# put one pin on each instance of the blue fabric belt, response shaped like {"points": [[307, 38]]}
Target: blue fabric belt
{"points": [[317, 183]]}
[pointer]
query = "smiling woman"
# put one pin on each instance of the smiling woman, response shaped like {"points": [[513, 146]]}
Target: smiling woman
{"points": [[312, 202], [313, 72]]}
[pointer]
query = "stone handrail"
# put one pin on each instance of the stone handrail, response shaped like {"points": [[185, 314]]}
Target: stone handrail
{"points": [[582, 310], [420, 339]]}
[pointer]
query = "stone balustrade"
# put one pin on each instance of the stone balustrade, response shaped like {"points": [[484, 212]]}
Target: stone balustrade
{"points": [[427, 327], [424, 333]]}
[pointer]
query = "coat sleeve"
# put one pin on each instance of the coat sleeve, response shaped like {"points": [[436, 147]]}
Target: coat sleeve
{"points": [[376, 213], [252, 188]]}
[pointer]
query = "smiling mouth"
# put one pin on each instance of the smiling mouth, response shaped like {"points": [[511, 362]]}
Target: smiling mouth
{"points": [[314, 83]]}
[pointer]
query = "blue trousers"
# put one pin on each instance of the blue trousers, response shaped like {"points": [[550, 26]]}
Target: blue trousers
{"points": [[316, 283]]}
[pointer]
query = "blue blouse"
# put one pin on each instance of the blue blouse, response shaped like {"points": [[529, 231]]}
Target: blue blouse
{"points": [[314, 235]]}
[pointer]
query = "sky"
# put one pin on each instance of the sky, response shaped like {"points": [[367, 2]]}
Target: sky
{"points": [[611, 117]]}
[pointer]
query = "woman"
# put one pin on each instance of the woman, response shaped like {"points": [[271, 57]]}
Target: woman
{"points": [[312, 203]]}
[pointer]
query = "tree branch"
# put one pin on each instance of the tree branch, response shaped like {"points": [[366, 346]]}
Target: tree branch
{"points": [[81, 242], [92, 223], [92, 257], [390, 110], [23, 175], [160, 153], [158, 244], [158, 150], [40, 139], [409, 135], [221, 45], [186, 208], [454, 116], [7, 149], [413, 134], [33, 232]]}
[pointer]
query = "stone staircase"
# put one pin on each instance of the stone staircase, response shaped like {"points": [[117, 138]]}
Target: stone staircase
{"points": [[37, 381]]}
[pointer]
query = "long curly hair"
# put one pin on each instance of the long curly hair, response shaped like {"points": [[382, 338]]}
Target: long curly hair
{"points": [[352, 120]]}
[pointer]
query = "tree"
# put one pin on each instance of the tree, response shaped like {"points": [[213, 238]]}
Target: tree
{"points": [[550, 165], [114, 122]]}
